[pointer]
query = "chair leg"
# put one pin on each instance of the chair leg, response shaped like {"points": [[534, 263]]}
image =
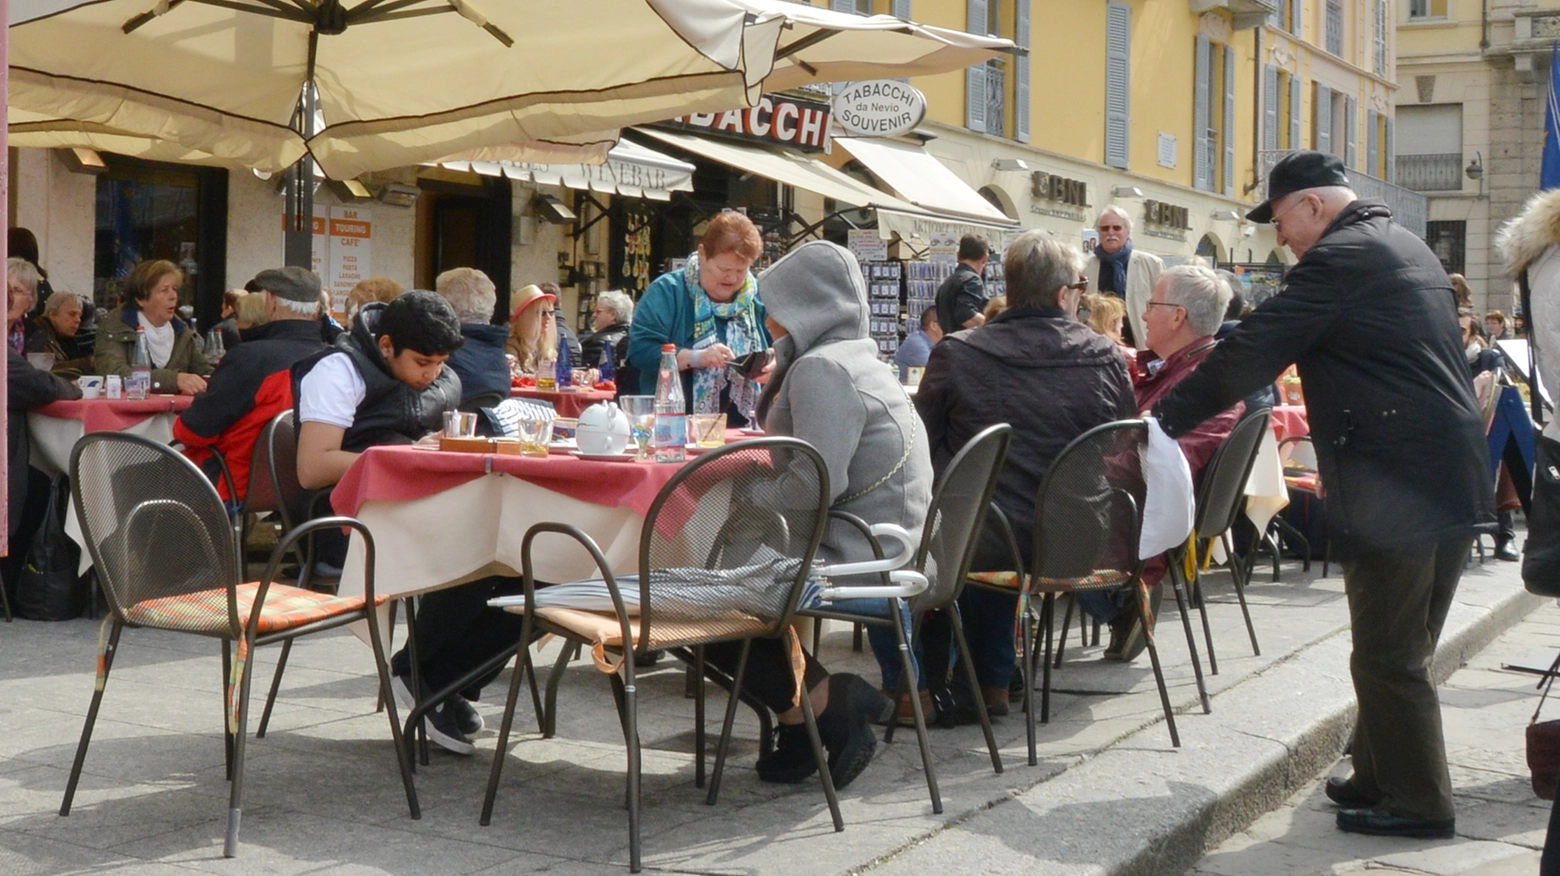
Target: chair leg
{"points": [[403, 752], [1047, 620], [227, 734], [855, 637], [1200, 600], [109, 649], [501, 751], [1026, 633], [631, 738], [910, 681], [1177, 578], [276, 685], [732, 699], [415, 661], [822, 760], [550, 721], [1164, 694], [698, 717], [379, 705], [1240, 594], [236, 790], [817, 635], [1061, 640], [1326, 557], [5, 603], [969, 671]]}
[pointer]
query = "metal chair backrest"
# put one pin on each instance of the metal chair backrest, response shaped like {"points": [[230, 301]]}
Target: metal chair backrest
{"points": [[292, 500], [157, 531], [752, 513], [260, 496], [1088, 511], [1223, 489], [957, 515]]}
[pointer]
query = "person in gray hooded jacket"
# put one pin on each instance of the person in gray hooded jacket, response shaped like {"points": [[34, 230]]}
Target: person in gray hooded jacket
{"points": [[830, 390]]}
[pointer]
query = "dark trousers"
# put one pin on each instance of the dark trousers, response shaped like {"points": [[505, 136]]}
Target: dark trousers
{"points": [[768, 677], [1398, 602], [457, 632]]}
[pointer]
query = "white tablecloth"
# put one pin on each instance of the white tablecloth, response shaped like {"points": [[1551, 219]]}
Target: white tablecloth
{"points": [[54, 437]]}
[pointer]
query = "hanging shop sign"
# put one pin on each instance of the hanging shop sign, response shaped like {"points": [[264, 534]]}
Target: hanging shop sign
{"points": [[878, 108], [1166, 220], [1054, 195], [775, 120]]}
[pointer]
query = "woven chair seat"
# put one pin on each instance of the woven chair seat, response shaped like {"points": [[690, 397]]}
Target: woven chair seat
{"points": [[1101, 579], [602, 630], [205, 611]]}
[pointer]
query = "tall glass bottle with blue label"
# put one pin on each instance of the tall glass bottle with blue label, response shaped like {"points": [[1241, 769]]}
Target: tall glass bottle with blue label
{"points": [[671, 411], [140, 384]]}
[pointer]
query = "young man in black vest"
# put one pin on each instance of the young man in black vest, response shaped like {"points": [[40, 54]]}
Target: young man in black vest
{"points": [[386, 382]]}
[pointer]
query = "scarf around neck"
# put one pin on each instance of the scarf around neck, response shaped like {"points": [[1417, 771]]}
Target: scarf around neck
{"points": [[739, 317], [1117, 263]]}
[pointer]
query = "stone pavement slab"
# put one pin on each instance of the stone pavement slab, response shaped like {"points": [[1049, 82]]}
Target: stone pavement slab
{"points": [[322, 792]]}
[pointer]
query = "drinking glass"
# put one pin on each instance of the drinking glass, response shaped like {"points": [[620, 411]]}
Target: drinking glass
{"points": [[458, 424], [641, 417], [535, 433], [709, 430]]}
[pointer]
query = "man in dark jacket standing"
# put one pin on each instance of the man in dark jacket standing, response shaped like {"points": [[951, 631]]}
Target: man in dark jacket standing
{"points": [[1369, 318], [962, 297], [1049, 375]]}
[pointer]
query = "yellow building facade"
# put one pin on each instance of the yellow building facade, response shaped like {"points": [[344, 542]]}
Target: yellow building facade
{"points": [[1172, 109]]}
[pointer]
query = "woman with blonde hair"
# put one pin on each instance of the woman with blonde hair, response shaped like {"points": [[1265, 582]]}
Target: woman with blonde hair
{"points": [[531, 328]]}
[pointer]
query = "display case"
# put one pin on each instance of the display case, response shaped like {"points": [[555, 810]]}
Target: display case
{"points": [[885, 291]]}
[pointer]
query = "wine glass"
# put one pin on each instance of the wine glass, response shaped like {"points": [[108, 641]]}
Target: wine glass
{"points": [[641, 417]]}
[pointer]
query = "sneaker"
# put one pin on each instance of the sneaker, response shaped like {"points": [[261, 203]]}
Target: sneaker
{"points": [[792, 760], [443, 728], [467, 718], [846, 728]]}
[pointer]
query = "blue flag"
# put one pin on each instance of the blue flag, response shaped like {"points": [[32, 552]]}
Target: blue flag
{"points": [[1550, 177]]}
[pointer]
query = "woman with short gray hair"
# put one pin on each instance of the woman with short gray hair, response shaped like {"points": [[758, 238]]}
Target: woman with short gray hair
{"points": [[469, 292], [55, 331], [611, 319]]}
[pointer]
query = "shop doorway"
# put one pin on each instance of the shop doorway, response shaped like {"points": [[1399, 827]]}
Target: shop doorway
{"points": [[149, 210], [463, 225]]}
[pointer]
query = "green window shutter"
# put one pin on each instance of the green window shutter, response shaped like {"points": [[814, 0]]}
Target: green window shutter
{"points": [[902, 9], [1321, 131], [1118, 83], [1294, 113], [1269, 107], [975, 77], [1201, 103]]}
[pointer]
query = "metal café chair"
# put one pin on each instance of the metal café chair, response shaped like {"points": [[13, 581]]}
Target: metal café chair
{"points": [[954, 521], [1088, 514], [702, 580], [168, 556], [1220, 499]]}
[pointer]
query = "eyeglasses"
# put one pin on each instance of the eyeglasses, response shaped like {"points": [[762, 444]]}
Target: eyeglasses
{"points": [[1164, 304], [1277, 217], [1082, 286]]}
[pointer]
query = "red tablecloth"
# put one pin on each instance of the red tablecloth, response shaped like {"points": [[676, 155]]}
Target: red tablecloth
{"points": [[401, 474], [113, 415], [567, 404], [1289, 421]]}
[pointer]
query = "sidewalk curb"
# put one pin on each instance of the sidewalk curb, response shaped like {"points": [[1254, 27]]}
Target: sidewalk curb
{"points": [[1141, 808]]}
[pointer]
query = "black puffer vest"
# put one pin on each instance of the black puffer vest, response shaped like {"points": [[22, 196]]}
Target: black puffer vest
{"points": [[391, 411]]}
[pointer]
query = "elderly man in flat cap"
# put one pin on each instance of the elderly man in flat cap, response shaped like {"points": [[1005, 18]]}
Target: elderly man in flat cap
{"points": [[1369, 317]]}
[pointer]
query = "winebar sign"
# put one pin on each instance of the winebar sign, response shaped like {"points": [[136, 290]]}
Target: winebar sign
{"points": [[878, 108]]}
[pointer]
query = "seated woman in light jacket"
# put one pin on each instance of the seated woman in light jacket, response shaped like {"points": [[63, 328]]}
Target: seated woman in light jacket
{"points": [[151, 296], [830, 390]]}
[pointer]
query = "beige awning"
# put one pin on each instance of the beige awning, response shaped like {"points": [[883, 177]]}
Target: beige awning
{"points": [[630, 170], [411, 81], [918, 177]]}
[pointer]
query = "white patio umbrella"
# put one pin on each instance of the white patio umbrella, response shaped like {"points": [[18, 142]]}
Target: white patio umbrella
{"points": [[399, 82]]}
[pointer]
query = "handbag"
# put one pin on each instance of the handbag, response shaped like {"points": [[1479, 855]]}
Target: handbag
{"points": [[1543, 742], [50, 589], [1541, 554]]}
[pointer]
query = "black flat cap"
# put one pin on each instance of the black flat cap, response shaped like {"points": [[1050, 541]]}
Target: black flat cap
{"points": [[1305, 169], [292, 282]]}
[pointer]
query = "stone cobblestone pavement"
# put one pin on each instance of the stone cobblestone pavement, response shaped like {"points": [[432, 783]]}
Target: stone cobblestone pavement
{"points": [[1500, 823]]}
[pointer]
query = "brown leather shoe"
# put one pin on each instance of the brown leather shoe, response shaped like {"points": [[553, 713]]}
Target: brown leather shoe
{"points": [[996, 698], [906, 713]]}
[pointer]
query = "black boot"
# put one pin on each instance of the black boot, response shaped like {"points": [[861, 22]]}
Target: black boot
{"points": [[792, 760], [1505, 538], [846, 725]]}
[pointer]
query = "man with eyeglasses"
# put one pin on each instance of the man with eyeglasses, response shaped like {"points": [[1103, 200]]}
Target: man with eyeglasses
{"points": [[1369, 317], [1118, 269]]}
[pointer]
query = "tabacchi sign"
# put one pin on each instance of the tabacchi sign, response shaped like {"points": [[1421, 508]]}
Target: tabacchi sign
{"points": [[878, 108], [800, 124]]}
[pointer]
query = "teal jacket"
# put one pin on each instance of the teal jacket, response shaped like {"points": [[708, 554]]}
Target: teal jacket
{"points": [[664, 315]]}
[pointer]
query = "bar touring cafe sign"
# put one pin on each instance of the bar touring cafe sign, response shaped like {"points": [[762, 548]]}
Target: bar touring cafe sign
{"points": [[878, 108]]}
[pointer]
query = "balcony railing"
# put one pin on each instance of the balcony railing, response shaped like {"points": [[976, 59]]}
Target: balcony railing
{"points": [[1431, 173], [1409, 209], [996, 99]]}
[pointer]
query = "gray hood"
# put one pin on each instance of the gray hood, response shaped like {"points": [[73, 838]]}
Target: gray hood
{"points": [[818, 294]]}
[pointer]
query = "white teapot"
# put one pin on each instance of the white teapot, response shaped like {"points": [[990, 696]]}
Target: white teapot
{"points": [[603, 429]]}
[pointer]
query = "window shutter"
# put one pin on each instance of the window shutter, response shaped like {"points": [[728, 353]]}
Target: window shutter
{"points": [[1294, 114], [1021, 72], [1321, 131], [843, 5], [975, 77], [1351, 155], [1390, 150], [1118, 82], [1297, 18], [1269, 107], [1373, 144], [1229, 121], [1281, 17], [902, 9], [1200, 111]]}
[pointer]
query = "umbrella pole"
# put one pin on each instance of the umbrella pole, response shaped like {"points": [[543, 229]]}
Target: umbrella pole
{"points": [[298, 224]]}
